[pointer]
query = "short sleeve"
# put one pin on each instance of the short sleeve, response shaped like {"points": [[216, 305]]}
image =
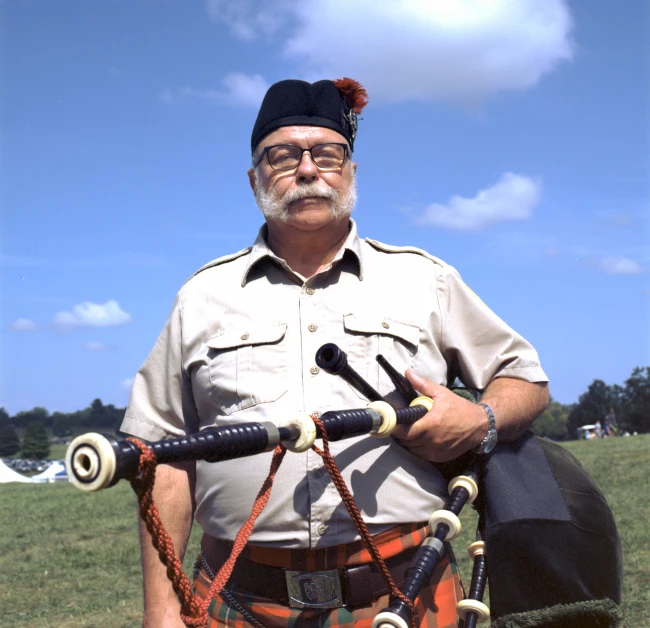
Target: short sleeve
{"points": [[477, 345], [161, 402]]}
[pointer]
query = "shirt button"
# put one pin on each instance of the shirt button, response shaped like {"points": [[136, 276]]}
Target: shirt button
{"points": [[322, 528], [314, 370], [316, 414], [385, 325], [319, 472], [309, 291], [312, 327], [245, 336]]}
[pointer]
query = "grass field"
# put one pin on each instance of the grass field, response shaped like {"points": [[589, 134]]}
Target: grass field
{"points": [[69, 559]]}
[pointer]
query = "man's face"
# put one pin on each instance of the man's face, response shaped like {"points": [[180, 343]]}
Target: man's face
{"points": [[305, 198]]}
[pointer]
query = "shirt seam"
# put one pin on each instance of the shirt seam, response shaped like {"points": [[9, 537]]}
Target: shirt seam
{"points": [[145, 421], [440, 312]]}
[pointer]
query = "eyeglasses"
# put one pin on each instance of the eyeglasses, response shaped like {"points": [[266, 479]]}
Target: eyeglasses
{"points": [[330, 156]]}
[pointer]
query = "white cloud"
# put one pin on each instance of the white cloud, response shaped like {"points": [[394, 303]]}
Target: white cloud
{"points": [[620, 266], [88, 314], [512, 198], [23, 324], [93, 345], [426, 50], [127, 382], [244, 20], [238, 90]]}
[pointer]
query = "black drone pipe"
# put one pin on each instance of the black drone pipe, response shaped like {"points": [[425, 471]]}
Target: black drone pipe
{"points": [[403, 386], [424, 562], [334, 361], [95, 461], [476, 588]]}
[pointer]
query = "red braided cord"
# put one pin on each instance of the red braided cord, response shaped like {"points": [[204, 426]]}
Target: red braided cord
{"points": [[348, 500], [143, 487], [194, 610], [243, 535]]}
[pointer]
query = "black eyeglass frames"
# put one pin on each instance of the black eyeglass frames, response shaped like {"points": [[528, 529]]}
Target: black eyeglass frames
{"points": [[329, 156]]}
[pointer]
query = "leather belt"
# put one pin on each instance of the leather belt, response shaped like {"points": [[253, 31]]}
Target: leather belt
{"points": [[360, 585]]}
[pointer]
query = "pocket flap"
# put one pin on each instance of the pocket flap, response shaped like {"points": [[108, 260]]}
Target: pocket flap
{"points": [[252, 334], [369, 324]]}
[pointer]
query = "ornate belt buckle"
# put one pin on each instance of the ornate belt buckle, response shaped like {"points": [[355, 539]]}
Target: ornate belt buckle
{"points": [[314, 589]]}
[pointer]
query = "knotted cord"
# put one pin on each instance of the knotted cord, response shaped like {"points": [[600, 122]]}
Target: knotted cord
{"points": [[194, 609], [243, 535], [348, 500]]}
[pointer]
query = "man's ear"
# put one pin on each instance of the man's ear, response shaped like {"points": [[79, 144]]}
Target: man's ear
{"points": [[252, 178], [354, 166]]}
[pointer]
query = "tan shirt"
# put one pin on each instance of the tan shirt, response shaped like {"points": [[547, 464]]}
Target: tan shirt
{"points": [[239, 346]]}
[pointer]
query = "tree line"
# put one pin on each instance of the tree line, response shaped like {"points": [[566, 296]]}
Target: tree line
{"points": [[630, 402], [28, 431]]}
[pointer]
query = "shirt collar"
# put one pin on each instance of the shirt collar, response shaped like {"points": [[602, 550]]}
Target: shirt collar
{"points": [[260, 250]]}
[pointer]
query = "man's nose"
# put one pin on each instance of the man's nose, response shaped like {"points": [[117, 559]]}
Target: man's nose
{"points": [[307, 170]]}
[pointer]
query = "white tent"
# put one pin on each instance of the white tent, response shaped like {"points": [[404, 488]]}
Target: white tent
{"points": [[55, 472], [9, 475]]}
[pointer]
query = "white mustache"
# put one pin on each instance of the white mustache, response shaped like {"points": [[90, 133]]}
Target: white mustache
{"points": [[310, 190], [275, 208]]}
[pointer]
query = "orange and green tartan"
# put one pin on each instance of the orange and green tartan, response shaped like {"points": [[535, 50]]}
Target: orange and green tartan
{"points": [[436, 605]]}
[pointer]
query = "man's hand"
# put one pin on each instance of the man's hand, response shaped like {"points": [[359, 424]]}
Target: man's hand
{"points": [[453, 426]]}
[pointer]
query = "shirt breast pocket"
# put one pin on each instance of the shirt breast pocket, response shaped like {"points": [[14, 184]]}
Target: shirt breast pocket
{"points": [[367, 335], [248, 366]]}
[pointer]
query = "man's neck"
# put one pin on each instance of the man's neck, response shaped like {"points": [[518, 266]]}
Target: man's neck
{"points": [[308, 252]]}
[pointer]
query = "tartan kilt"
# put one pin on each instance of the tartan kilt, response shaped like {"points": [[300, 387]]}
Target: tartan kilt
{"points": [[436, 604]]}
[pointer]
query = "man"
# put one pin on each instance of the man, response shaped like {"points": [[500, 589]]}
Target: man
{"points": [[239, 346], [609, 423]]}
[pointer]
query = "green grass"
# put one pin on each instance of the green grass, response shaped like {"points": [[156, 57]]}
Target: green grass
{"points": [[621, 468], [57, 452], [71, 560]]}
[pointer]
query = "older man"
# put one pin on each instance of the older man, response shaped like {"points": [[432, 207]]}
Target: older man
{"points": [[239, 346]]}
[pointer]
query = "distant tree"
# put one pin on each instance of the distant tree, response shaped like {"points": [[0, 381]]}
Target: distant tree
{"points": [[80, 420], [9, 443], [5, 419], [61, 425], [97, 407], [117, 416], [634, 415], [593, 406], [553, 423], [101, 417], [35, 415], [35, 441]]}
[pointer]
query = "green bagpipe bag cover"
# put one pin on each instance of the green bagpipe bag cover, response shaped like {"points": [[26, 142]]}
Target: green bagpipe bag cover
{"points": [[553, 552]]}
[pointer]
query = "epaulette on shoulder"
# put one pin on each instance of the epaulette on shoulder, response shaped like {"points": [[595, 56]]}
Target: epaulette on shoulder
{"points": [[219, 261], [389, 248]]}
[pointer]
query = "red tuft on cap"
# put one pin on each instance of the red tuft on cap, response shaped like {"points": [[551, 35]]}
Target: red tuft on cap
{"points": [[354, 93]]}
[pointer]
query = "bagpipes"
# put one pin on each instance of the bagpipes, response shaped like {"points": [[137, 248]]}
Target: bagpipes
{"points": [[546, 537]]}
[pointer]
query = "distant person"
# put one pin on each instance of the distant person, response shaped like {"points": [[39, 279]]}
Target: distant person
{"points": [[598, 430], [609, 423]]}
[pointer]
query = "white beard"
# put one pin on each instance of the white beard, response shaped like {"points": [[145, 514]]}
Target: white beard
{"points": [[273, 208]]}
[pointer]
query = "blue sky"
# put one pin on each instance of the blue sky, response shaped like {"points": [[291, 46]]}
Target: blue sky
{"points": [[509, 138]]}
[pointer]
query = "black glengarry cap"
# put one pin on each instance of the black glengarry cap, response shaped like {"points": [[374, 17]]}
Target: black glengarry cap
{"points": [[330, 104]]}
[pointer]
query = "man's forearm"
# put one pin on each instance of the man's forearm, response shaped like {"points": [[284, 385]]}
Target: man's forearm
{"points": [[174, 496], [516, 404]]}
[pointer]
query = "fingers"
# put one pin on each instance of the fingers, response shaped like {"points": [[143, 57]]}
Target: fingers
{"points": [[424, 386], [419, 428], [409, 432], [427, 451]]}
